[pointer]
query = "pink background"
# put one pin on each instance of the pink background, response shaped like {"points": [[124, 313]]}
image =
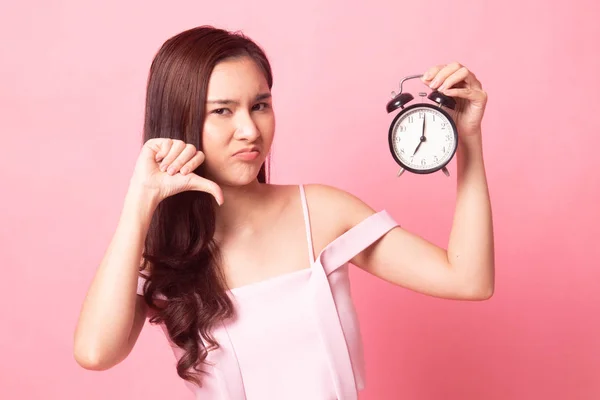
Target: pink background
{"points": [[72, 80]]}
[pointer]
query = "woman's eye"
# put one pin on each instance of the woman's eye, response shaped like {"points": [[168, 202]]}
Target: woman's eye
{"points": [[220, 111], [260, 106]]}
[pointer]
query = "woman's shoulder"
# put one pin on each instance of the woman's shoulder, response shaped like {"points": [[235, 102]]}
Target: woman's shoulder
{"points": [[339, 203], [331, 206]]}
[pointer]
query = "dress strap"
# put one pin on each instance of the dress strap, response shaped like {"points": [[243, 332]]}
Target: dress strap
{"points": [[311, 252], [338, 253], [355, 240], [142, 278]]}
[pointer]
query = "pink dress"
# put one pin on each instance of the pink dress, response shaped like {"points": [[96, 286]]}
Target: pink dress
{"points": [[295, 336]]}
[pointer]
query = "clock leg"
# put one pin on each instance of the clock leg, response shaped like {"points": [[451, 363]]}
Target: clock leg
{"points": [[446, 172], [400, 172]]}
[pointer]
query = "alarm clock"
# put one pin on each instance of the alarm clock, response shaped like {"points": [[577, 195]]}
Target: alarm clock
{"points": [[422, 137]]}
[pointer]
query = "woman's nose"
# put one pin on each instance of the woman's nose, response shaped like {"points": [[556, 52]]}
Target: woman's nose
{"points": [[247, 130]]}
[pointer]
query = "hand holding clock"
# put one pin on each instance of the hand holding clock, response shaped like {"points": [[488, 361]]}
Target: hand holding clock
{"points": [[457, 81], [458, 114]]}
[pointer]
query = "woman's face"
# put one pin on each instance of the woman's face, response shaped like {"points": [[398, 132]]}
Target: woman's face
{"points": [[239, 124]]}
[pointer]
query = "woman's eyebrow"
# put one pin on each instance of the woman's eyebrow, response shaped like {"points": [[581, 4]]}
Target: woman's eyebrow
{"points": [[260, 97]]}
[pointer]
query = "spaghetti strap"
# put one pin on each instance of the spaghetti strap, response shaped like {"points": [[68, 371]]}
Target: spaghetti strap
{"points": [[142, 278], [311, 252]]}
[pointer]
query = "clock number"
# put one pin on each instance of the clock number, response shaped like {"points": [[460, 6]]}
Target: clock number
{"points": [[433, 117], [435, 159], [401, 150], [402, 128], [423, 162], [448, 137], [411, 119], [443, 125], [421, 115]]}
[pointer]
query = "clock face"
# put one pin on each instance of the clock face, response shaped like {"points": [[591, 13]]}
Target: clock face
{"points": [[423, 138]]}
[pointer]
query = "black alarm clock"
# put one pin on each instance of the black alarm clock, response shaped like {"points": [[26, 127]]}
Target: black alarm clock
{"points": [[423, 137]]}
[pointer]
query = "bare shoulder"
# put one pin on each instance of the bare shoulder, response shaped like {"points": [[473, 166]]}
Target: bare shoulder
{"points": [[335, 207]]}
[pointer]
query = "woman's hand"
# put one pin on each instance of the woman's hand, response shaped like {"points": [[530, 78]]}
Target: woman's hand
{"points": [[165, 167], [456, 81]]}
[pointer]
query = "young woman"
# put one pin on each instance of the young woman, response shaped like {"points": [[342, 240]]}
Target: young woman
{"points": [[249, 280]]}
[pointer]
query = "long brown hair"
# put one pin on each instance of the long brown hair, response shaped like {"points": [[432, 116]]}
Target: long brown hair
{"points": [[180, 247]]}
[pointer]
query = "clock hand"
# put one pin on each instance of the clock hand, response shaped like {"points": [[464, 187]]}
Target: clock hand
{"points": [[419, 145], [423, 138]]}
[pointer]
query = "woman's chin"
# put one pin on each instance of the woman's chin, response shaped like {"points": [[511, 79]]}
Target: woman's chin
{"points": [[239, 178]]}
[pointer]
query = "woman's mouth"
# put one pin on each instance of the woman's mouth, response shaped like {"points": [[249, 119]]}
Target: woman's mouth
{"points": [[247, 155]]}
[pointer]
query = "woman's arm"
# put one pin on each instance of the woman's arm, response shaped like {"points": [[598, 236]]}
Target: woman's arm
{"points": [[471, 243], [466, 269], [113, 314]]}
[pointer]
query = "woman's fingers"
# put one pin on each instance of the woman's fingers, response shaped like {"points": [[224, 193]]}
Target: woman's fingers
{"points": [[177, 156], [193, 163], [443, 74], [176, 148], [185, 154], [454, 78], [163, 150]]}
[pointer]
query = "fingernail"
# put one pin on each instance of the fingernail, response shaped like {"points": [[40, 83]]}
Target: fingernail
{"points": [[434, 84], [163, 167], [171, 170], [184, 170]]}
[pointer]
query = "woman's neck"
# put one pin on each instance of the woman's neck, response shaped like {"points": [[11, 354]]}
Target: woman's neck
{"points": [[244, 208]]}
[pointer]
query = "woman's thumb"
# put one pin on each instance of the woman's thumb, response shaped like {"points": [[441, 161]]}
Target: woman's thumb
{"points": [[204, 185]]}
